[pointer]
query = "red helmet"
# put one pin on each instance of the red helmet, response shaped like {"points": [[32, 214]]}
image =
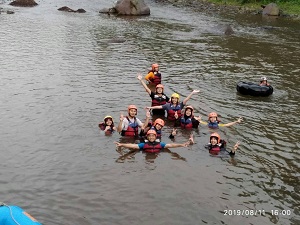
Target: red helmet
{"points": [[160, 122], [152, 132], [155, 65], [159, 86], [132, 107], [212, 114], [216, 135]]}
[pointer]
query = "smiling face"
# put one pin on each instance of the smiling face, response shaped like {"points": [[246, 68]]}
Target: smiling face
{"points": [[214, 141], [132, 112], [188, 112], [174, 100], [213, 119], [151, 137], [108, 122], [159, 90], [158, 126]]}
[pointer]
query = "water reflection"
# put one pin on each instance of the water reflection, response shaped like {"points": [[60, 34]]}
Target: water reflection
{"points": [[149, 157]]}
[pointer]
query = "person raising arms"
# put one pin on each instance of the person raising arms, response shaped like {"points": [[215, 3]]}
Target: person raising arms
{"points": [[187, 120], [216, 145], [151, 145], [174, 106], [214, 123], [130, 124], [158, 97]]}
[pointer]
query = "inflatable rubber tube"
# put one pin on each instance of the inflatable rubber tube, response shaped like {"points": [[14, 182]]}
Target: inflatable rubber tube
{"points": [[248, 88]]}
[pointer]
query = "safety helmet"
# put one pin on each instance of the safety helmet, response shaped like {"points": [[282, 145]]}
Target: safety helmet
{"points": [[132, 107], [108, 117], [152, 132], [189, 107], [212, 114], [263, 79], [175, 95], [159, 86], [155, 65], [159, 121], [216, 135]]}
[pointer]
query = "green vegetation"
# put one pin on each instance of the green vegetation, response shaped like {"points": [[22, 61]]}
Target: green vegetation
{"points": [[287, 6]]}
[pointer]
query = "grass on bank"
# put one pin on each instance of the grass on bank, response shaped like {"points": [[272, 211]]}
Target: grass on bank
{"points": [[287, 6]]}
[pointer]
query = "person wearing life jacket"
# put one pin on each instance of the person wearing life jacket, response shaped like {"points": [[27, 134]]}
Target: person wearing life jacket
{"points": [[214, 123], [187, 120], [158, 97], [174, 107], [151, 145], [156, 126], [108, 125], [129, 125], [154, 76], [264, 82], [216, 145]]}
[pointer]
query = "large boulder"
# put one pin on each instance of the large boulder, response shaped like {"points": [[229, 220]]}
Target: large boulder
{"points": [[24, 3], [132, 7], [271, 10]]}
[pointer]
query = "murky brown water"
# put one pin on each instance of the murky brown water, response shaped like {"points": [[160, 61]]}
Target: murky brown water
{"points": [[60, 77]]}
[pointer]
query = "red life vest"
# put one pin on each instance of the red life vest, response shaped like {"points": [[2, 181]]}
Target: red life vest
{"points": [[102, 126], [171, 112], [152, 147], [186, 123], [132, 129], [215, 148], [157, 78], [157, 100], [218, 147]]}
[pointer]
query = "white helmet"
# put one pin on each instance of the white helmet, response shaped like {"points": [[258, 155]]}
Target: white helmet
{"points": [[263, 78]]}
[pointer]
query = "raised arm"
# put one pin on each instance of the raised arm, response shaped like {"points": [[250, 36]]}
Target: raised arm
{"points": [[134, 146], [155, 107], [235, 147], [189, 96], [198, 118], [120, 126], [232, 123], [148, 115], [140, 78], [176, 145]]}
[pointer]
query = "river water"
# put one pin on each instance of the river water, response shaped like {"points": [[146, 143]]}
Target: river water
{"points": [[61, 74]]}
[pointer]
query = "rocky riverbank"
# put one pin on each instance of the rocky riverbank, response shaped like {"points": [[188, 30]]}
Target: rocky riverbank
{"points": [[209, 7]]}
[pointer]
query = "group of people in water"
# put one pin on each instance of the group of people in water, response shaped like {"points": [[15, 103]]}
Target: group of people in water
{"points": [[176, 111]]}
